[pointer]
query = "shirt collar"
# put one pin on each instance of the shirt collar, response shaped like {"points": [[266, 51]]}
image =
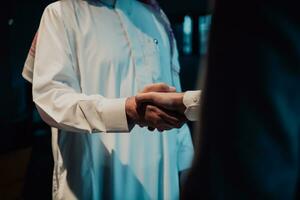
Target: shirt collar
{"points": [[124, 5]]}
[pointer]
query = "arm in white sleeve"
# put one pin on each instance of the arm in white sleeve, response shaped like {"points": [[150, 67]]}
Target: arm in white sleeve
{"points": [[191, 100], [56, 86]]}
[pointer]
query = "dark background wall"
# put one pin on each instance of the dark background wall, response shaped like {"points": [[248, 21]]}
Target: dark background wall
{"points": [[25, 152], [191, 7]]}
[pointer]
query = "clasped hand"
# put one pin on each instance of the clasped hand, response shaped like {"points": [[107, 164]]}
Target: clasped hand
{"points": [[158, 106]]}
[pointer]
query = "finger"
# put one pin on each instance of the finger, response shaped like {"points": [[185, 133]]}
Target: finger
{"points": [[164, 127], [158, 87], [172, 89], [142, 124], [162, 120], [152, 118], [172, 118], [161, 127], [151, 129]]}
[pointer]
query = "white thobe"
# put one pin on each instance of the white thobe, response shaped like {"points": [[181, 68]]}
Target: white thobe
{"points": [[89, 58]]}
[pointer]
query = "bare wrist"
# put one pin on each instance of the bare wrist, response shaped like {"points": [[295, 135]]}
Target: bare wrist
{"points": [[131, 113]]}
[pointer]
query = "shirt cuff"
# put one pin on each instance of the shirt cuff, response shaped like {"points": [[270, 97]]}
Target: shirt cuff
{"points": [[191, 100], [114, 115]]}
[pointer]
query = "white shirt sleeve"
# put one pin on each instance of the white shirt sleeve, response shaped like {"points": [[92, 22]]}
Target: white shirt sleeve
{"points": [[191, 100], [56, 85]]}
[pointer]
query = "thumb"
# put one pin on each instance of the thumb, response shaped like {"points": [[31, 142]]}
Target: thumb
{"points": [[159, 87]]}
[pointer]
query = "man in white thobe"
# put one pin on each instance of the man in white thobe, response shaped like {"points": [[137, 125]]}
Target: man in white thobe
{"points": [[89, 58]]}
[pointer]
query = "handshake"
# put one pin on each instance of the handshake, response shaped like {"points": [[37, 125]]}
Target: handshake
{"points": [[158, 106]]}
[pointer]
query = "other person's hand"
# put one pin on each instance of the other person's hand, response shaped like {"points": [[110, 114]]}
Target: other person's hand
{"points": [[171, 101]]}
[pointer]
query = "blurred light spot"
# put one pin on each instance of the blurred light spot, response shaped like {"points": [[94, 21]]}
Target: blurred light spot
{"points": [[204, 27], [187, 34], [10, 22]]}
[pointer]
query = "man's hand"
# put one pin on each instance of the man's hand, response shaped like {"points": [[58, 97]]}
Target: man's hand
{"points": [[170, 101], [149, 115], [157, 106], [170, 104]]}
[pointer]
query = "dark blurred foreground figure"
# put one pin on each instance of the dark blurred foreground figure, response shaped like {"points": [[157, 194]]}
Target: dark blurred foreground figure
{"points": [[250, 128]]}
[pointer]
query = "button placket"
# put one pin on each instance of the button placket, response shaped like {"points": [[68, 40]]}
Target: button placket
{"points": [[146, 51], [152, 57], [137, 46]]}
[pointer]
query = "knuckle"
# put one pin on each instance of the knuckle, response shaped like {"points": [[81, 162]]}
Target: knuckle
{"points": [[160, 114], [178, 125], [146, 89], [151, 108], [164, 87], [148, 109], [160, 129]]}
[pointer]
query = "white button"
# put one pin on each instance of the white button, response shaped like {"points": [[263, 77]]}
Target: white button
{"points": [[195, 100], [155, 41]]}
